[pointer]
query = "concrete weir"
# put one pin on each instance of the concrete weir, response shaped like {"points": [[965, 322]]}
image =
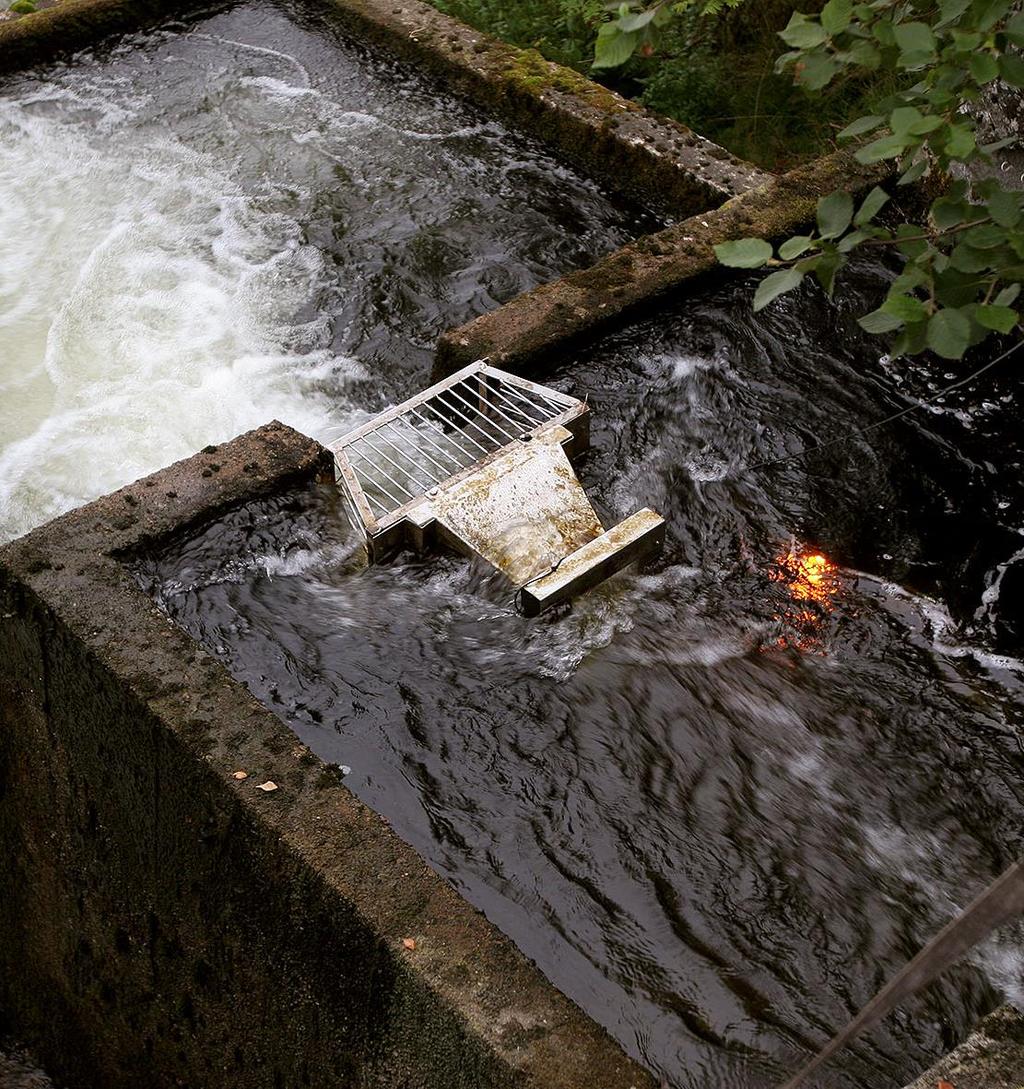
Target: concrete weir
{"points": [[658, 162], [189, 895], [167, 921]]}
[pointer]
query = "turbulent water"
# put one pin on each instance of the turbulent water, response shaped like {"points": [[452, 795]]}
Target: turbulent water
{"points": [[722, 800], [719, 800], [239, 219]]}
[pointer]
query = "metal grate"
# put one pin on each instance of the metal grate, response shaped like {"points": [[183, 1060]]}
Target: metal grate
{"points": [[406, 452], [481, 463]]}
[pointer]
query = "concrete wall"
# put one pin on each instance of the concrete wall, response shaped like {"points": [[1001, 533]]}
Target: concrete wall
{"points": [[538, 327], [163, 923], [992, 1057]]}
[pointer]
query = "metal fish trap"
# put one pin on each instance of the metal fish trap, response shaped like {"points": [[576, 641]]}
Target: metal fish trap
{"points": [[480, 462]]}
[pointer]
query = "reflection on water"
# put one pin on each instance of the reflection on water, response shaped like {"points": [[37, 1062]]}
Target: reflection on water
{"points": [[720, 800], [813, 583], [247, 218]]}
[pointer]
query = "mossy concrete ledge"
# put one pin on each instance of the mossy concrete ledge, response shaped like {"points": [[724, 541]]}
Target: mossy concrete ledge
{"points": [[661, 163], [71, 25], [535, 327], [992, 1057], [165, 921]]}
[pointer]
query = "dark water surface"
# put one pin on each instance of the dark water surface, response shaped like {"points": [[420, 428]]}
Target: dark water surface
{"points": [[721, 800]]}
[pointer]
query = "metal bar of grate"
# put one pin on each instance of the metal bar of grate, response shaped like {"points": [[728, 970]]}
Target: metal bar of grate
{"points": [[472, 408], [434, 426], [517, 407], [429, 445], [412, 448], [379, 434]]}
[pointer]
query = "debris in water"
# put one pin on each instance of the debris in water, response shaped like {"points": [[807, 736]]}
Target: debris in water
{"points": [[480, 462]]}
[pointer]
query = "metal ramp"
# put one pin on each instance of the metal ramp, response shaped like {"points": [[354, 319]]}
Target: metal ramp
{"points": [[480, 463]]}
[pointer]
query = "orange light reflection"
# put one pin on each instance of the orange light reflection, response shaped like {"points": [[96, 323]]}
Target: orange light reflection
{"points": [[813, 583]]}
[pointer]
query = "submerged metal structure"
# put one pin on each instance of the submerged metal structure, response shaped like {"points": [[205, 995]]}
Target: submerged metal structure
{"points": [[480, 462]]}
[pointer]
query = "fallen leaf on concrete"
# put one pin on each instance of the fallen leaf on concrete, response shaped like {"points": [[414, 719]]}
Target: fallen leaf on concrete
{"points": [[241, 775], [268, 786], [409, 943]]}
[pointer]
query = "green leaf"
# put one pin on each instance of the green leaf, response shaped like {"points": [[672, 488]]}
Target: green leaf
{"points": [[852, 241], [929, 123], [795, 246], [913, 172], [864, 54], [860, 126], [871, 206], [911, 340], [984, 67], [967, 41], [1012, 70], [966, 259], [1004, 208], [902, 118], [949, 333], [1007, 295], [989, 12], [960, 142], [771, 287], [914, 37], [834, 214], [986, 237], [613, 47], [1000, 318], [885, 147], [816, 70], [637, 20], [836, 16], [826, 268], [951, 9], [878, 321], [909, 242], [744, 253], [946, 213], [1014, 30], [803, 33], [905, 307]]}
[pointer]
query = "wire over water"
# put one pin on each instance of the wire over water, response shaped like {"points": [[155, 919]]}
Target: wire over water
{"points": [[890, 419]]}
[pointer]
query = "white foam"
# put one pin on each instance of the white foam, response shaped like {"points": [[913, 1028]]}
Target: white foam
{"points": [[146, 304]]}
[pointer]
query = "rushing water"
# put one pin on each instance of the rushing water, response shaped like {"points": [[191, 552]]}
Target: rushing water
{"points": [[239, 219], [721, 800]]}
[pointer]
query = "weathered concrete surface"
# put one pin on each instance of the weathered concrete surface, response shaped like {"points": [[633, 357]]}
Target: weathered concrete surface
{"points": [[58, 31], [19, 1071], [544, 322], [163, 923], [992, 1057], [662, 163]]}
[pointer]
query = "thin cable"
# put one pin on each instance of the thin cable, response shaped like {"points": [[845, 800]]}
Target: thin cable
{"points": [[889, 419]]}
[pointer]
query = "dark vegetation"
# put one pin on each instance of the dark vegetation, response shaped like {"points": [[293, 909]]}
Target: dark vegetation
{"points": [[715, 73]]}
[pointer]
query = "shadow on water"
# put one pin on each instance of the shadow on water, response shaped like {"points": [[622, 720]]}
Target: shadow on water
{"points": [[721, 800]]}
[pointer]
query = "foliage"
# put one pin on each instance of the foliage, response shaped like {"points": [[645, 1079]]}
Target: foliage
{"points": [[635, 28], [964, 266], [712, 72], [562, 30], [22, 7]]}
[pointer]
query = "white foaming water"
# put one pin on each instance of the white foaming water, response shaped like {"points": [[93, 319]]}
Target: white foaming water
{"points": [[146, 303]]}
